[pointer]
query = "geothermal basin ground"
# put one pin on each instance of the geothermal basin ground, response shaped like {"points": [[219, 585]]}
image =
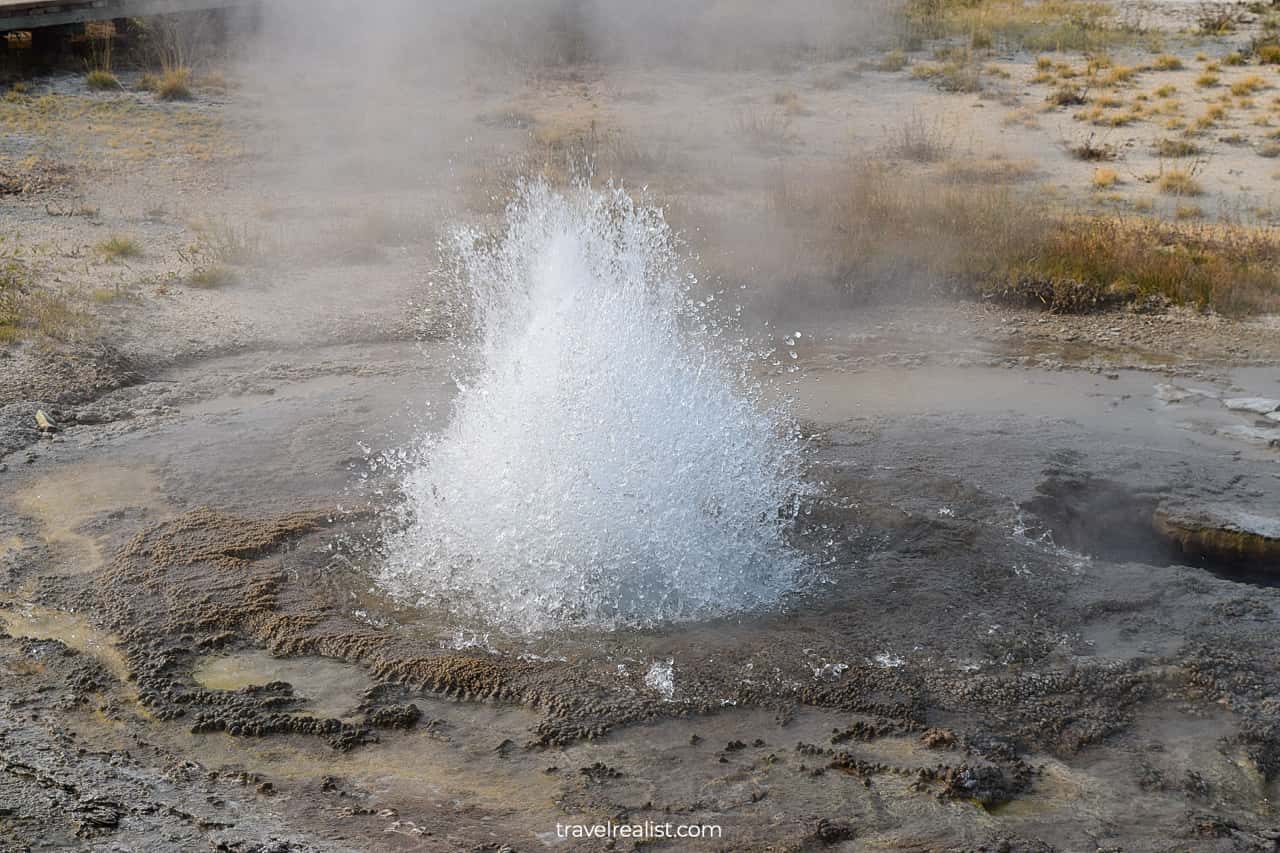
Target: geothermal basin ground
{"points": [[1040, 522]]}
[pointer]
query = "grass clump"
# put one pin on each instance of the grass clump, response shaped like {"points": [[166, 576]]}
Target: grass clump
{"points": [[1042, 27], [101, 80], [26, 309], [1091, 150], [1104, 177], [1179, 182], [765, 130], [1267, 54], [1169, 147], [1248, 85], [919, 140], [1068, 95], [1167, 62], [867, 223], [1207, 80], [118, 247], [894, 60], [173, 85], [212, 277]]}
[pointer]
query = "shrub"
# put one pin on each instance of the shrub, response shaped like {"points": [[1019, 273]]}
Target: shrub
{"points": [[101, 80], [118, 246]]}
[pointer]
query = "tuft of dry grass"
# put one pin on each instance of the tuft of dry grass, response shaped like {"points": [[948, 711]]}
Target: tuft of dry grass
{"points": [[1068, 95], [28, 309], [1267, 54], [174, 85], [865, 224], [1207, 80], [118, 247], [1042, 27], [989, 170], [766, 130], [101, 80], [1091, 150], [1104, 177], [1179, 182], [1167, 62], [894, 60], [212, 277], [1175, 148], [919, 140], [1248, 85]]}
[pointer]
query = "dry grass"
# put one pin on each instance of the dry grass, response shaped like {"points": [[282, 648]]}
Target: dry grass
{"points": [[1091, 150], [894, 60], [767, 130], [989, 170], [174, 85], [1104, 177], [1049, 25], [118, 247], [1248, 85], [1167, 62], [1179, 182], [101, 80], [1175, 148], [26, 308], [212, 277], [955, 76], [1207, 80], [866, 226], [920, 140]]}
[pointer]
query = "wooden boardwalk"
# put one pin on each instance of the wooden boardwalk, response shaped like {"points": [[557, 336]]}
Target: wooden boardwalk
{"points": [[32, 14]]}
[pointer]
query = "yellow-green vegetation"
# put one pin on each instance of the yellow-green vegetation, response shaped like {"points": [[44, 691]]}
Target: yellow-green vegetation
{"points": [[1234, 58], [894, 60], [1187, 211], [118, 247], [1167, 62], [953, 76], [920, 140], [1104, 177], [1068, 95], [211, 277], [1248, 85], [1049, 25], [1207, 80], [101, 80], [174, 85], [126, 129], [1179, 182], [1175, 148], [867, 223], [989, 170], [1165, 90], [1268, 54], [1119, 74], [26, 308]]}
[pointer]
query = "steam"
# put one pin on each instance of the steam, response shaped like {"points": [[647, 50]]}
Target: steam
{"points": [[605, 465]]}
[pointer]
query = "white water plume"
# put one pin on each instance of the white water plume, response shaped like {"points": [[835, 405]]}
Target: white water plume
{"points": [[608, 463]]}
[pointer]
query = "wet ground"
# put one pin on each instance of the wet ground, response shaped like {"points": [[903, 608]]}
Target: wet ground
{"points": [[1021, 638]]}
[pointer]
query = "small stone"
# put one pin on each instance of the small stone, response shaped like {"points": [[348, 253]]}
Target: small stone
{"points": [[1257, 405]]}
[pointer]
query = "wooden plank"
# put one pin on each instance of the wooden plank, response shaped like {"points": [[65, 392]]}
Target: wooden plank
{"points": [[33, 14]]}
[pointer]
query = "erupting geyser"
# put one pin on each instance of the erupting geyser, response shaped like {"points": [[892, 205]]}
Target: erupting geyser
{"points": [[608, 463]]}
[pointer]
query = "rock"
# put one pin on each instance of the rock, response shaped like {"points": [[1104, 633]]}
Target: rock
{"points": [[1225, 532], [1257, 405], [44, 423]]}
